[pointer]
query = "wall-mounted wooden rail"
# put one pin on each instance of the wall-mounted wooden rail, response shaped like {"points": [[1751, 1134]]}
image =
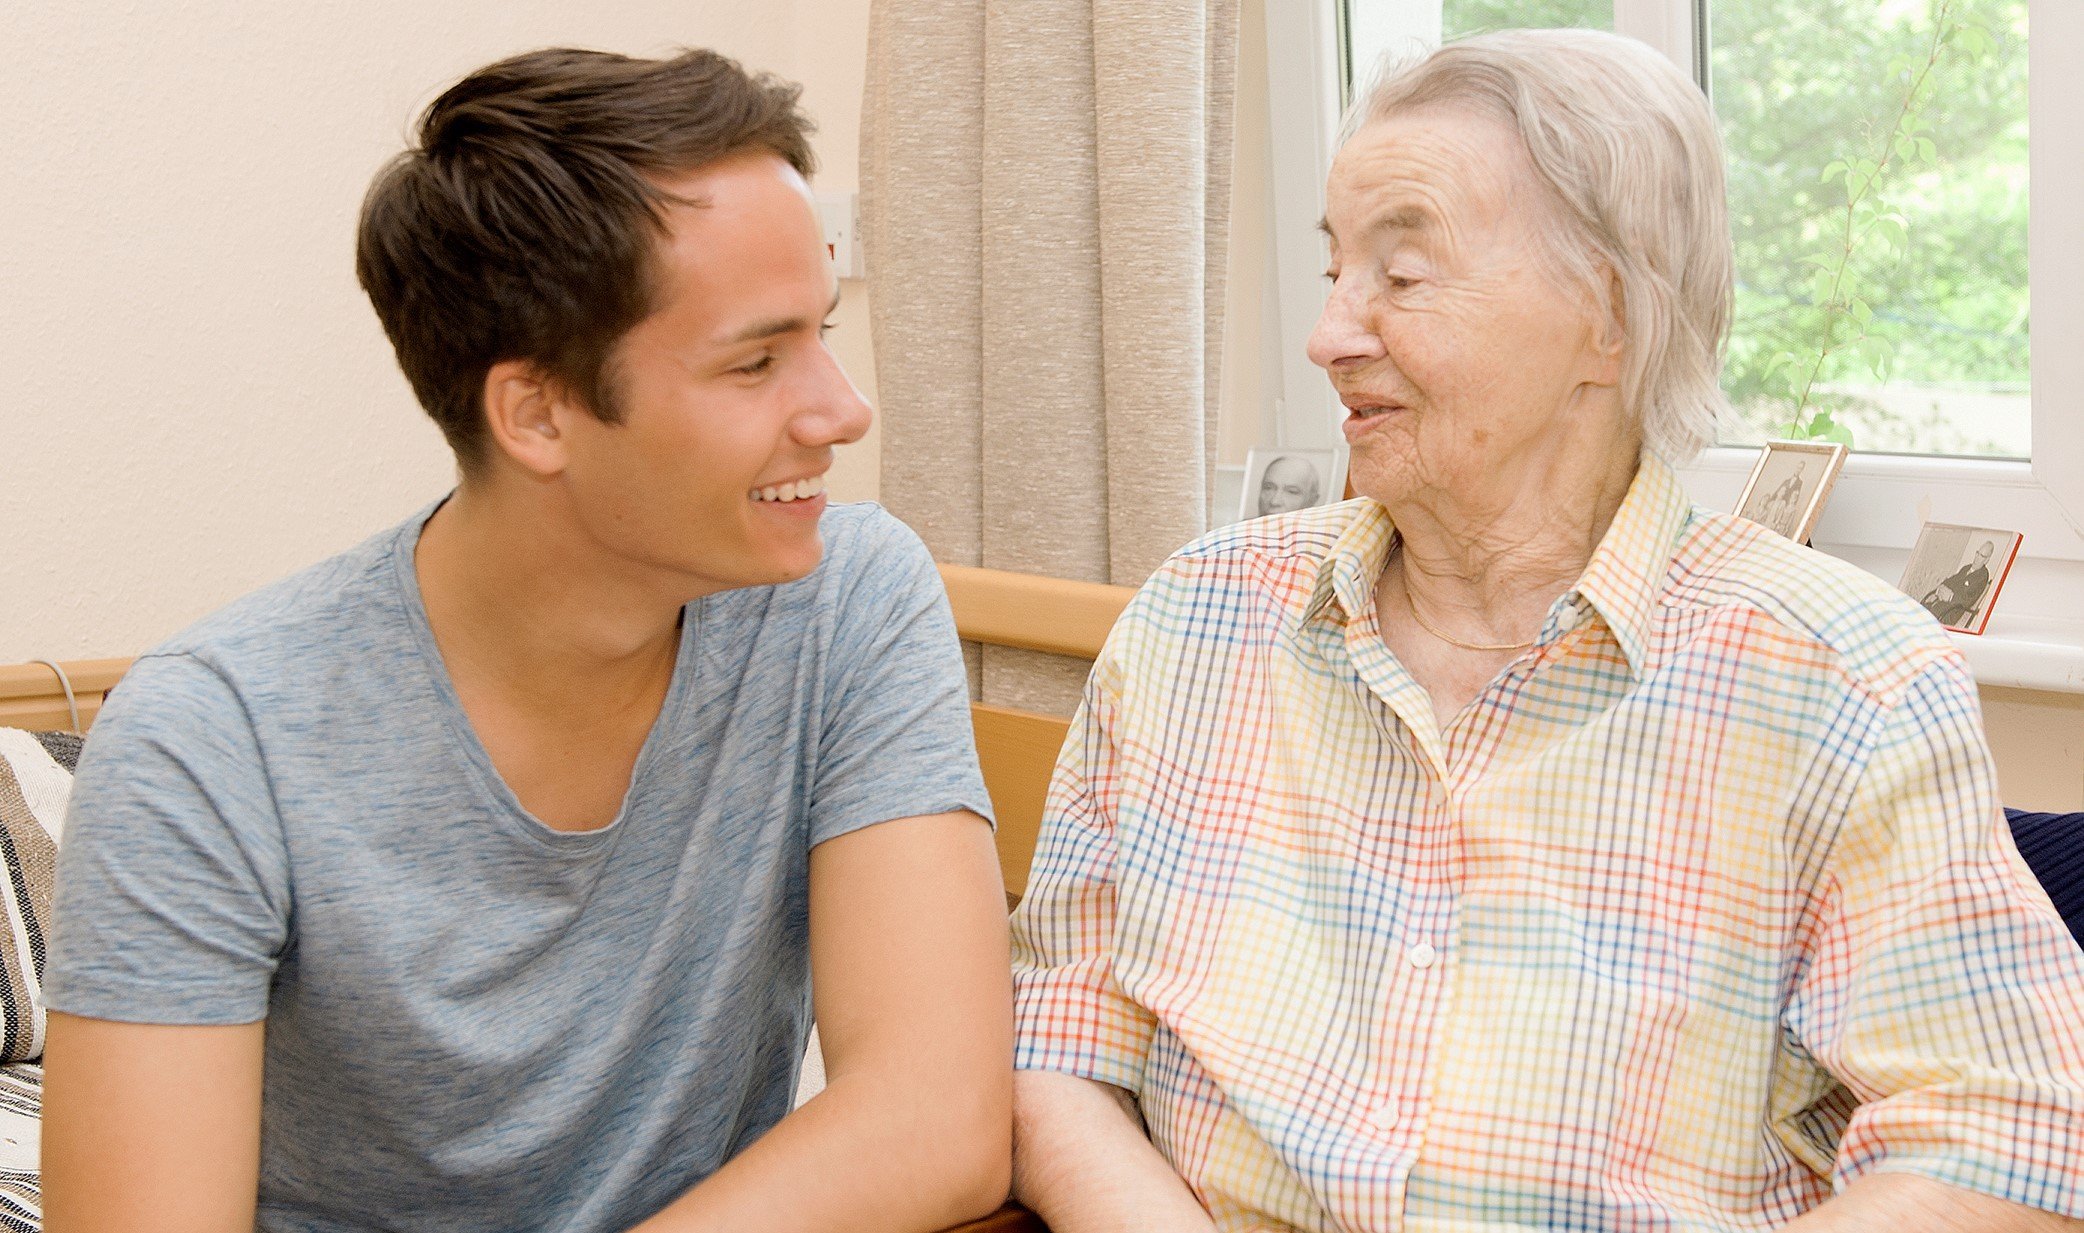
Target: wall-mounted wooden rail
{"points": [[1018, 749], [32, 696]]}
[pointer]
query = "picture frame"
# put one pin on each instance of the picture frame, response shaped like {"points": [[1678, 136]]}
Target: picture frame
{"points": [[1956, 571], [1300, 479], [1789, 485]]}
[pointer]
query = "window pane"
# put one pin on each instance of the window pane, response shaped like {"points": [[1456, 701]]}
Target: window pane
{"points": [[1459, 18], [1897, 301], [1374, 27]]}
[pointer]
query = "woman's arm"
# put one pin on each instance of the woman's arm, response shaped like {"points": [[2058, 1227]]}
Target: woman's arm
{"points": [[1907, 1203], [1082, 1162]]}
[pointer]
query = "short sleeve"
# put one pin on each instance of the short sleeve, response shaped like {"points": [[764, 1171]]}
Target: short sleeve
{"points": [[1938, 984], [895, 739], [173, 888], [1070, 1014]]}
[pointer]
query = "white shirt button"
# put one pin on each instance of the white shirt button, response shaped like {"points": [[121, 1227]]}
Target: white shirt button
{"points": [[1385, 1118], [1422, 955]]}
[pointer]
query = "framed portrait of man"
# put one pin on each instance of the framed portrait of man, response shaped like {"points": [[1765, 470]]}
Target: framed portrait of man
{"points": [[1956, 572], [1281, 481], [1788, 486]]}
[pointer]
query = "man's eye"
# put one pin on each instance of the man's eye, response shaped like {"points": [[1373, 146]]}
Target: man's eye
{"points": [[757, 367], [827, 327]]}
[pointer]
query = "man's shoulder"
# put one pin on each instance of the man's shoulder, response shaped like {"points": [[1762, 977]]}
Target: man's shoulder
{"points": [[283, 644], [325, 606], [862, 539], [869, 557], [1876, 635]]}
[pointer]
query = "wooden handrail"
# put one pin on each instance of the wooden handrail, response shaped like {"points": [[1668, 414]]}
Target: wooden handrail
{"points": [[31, 695], [1031, 612]]}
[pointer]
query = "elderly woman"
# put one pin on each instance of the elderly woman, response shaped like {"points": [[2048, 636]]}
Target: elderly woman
{"points": [[1518, 846]]}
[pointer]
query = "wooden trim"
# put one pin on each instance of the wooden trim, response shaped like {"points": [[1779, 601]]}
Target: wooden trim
{"points": [[1055, 615], [1018, 753], [31, 697]]}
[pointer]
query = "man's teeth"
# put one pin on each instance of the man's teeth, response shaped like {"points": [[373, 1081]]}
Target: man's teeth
{"points": [[801, 490]]}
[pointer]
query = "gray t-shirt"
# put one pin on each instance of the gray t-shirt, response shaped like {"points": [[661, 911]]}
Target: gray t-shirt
{"points": [[474, 1021]]}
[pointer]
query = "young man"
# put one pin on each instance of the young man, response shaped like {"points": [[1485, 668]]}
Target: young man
{"points": [[475, 879]]}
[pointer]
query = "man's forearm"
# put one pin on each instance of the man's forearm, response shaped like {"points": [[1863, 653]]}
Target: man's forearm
{"points": [[1907, 1203], [859, 1155], [1082, 1162]]}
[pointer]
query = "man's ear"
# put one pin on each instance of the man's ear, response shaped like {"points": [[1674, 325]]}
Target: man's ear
{"points": [[521, 415]]}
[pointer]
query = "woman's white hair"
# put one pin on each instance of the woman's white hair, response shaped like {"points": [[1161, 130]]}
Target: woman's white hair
{"points": [[1628, 148]]}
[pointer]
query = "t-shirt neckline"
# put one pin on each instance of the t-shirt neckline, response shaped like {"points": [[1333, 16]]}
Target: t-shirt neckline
{"points": [[492, 787]]}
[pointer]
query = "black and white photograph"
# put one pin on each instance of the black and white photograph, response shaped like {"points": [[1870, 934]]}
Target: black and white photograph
{"points": [[1790, 484], [1282, 481], [1956, 572]]}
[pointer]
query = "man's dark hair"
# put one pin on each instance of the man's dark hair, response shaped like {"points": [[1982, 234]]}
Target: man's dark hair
{"points": [[524, 224]]}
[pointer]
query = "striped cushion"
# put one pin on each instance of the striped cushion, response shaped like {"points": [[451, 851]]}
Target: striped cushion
{"points": [[21, 1112], [33, 792]]}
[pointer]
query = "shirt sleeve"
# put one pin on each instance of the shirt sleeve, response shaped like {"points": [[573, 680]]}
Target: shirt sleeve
{"points": [[173, 888], [895, 739], [1938, 984], [1070, 1013]]}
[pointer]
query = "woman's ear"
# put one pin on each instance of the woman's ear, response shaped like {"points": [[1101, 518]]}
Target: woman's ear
{"points": [[520, 414], [1610, 334]]}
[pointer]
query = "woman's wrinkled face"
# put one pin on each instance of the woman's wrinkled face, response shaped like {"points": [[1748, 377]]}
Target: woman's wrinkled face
{"points": [[1448, 333]]}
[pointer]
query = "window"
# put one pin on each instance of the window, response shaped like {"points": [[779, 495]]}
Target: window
{"points": [[1954, 417]]}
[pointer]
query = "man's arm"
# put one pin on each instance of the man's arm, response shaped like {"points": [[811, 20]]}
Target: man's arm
{"points": [[150, 1127], [1084, 1164], [1907, 1203], [910, 978]]}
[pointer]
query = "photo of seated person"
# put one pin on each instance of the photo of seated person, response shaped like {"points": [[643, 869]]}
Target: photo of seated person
{"points": [[1525, 847], [1955, 598], [486, 876]]}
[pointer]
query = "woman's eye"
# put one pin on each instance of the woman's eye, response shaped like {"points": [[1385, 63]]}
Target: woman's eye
{"points": [[827, 327]]}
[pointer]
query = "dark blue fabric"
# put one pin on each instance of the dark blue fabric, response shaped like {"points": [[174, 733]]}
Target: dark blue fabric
{"points": [[2053, 845]]}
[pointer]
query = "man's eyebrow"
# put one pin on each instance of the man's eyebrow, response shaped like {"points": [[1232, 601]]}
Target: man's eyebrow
{"points": [[775, 326]]}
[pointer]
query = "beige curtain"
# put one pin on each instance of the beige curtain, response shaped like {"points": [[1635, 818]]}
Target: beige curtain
{"points": [[1045, 200]]}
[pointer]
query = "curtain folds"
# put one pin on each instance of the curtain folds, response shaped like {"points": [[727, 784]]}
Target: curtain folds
{"points": [[1045, 207]]}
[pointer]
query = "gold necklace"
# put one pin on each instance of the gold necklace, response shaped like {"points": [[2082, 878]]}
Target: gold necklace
{"points": [[1450, 639]]}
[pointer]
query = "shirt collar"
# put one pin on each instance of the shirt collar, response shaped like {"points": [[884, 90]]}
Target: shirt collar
{"points": [[1625, 577], [1622, 581], [1347, 575]]}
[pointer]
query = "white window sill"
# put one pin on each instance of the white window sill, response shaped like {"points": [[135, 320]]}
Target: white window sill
{"points": [[2027, 654]]}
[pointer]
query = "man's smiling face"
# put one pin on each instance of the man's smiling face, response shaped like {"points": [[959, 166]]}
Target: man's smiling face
{"points": [[731, 402]]}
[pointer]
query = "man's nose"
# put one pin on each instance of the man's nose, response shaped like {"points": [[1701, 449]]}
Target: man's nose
{"points": [[835, 413]]}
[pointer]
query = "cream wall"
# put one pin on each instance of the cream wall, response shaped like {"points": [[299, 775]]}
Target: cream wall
{"points": [[194, 395]]}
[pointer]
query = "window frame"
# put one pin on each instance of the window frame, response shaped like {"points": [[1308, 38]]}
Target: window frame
{"points": [[1881, 499]]}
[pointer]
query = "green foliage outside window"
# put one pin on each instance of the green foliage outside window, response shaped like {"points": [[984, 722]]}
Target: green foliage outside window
{"points": [[1877, 163]]}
